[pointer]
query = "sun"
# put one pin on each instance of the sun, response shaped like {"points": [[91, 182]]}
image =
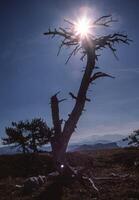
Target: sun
{"points": [[82, 27]]}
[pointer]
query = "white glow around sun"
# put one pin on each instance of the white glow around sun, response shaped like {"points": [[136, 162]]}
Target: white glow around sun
{"points": [[82, 27]]}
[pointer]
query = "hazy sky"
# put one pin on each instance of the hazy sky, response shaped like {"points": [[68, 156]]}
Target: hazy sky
{"points": [[30, 71]]}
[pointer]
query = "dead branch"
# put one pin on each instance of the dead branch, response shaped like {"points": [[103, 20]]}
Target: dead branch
{"points": [[71, 23], [70, 39], [72, 95], [91, 181], [62, 100], [110, 40], [114, 177], [83, 56], [104, 21], [75, 50], [99, 75], [59, 33], [87, 99]]}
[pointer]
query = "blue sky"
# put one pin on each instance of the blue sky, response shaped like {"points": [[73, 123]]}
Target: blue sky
{"points": [[30, 71]]}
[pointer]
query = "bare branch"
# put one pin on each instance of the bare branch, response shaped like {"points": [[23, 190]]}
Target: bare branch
{"points": [[60, 47], [76, 49], [87, 99], [70, 39], [55, 32], [72, 95], [110, 40], [104, 21], [99, 75], [83, 56], [91, 182], [62, 100], [71, 23]]}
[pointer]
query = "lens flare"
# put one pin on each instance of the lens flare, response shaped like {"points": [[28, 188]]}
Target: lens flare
{"points": [[82, 27], [62, 166]]}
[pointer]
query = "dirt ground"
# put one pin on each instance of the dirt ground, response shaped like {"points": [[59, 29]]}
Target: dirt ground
{"points": [[114, 172]]}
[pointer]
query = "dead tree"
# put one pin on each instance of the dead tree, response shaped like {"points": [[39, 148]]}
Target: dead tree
{"points": [[89, 47]]}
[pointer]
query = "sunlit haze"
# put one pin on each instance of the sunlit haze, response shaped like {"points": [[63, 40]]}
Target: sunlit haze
{"points": [[83, 27]]}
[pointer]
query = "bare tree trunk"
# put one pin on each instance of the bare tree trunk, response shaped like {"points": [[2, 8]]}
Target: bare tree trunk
{"points": [[61, 139], [71, 123], [89, 46], [56, 141]]}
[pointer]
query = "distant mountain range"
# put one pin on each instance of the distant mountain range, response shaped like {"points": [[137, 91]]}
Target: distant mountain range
{"points": [[99, 142], [97, 146], [91, 143], [103, 138]]}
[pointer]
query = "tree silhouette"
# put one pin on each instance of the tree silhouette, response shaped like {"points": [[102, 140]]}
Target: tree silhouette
{"points": [[38, 133], [133, 139], [16, 136], [90, 48], [27, 135]]}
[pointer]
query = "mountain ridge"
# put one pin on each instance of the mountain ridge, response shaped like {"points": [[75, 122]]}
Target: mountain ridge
{"points": [[99, 142]]}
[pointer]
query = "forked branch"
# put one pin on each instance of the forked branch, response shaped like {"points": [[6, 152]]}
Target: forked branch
{"points": [[104, 21], [99, 75]]}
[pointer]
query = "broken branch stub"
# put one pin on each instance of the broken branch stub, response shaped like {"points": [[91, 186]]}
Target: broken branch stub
{"points": [[55, 114]]}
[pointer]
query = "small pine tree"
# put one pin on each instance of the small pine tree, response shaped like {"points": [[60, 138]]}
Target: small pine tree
{"points": [[16, 137], [27, 135], [38, 133]]}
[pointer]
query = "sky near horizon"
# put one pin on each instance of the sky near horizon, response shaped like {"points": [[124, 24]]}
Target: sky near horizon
{"points": [[31, 72]]}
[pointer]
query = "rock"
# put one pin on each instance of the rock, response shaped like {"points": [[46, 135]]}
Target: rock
{"points": [[33, 183], [53, 175]]}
